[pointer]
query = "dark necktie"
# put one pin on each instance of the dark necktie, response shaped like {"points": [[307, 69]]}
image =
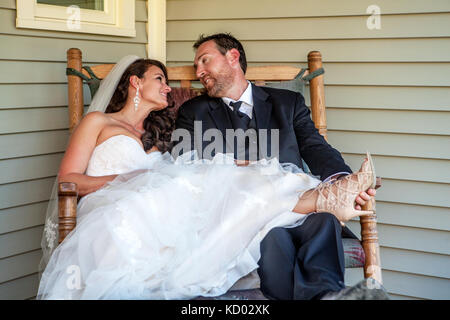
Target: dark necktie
{"points": [[240, 115]]}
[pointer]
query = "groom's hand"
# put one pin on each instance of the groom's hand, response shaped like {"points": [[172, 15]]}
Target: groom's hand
{"points": [[364, 197]]}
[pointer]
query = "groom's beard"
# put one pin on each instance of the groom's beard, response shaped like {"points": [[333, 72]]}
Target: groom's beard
{"points": [[221, 83]]}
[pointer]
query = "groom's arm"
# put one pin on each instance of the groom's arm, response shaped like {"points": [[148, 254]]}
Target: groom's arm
{"points": [[322, 159]]}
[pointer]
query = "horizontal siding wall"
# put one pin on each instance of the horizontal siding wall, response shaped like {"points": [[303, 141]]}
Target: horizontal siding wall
{"points": [[33, 131], [386, 91]]}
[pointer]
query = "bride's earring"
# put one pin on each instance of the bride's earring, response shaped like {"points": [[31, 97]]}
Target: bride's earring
{"points": [[136, 100]]}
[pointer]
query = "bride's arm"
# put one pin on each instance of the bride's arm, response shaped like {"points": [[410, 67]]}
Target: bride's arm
{"points": [[78, 152], [86, 184]]}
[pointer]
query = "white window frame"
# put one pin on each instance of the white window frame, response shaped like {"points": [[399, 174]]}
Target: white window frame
{"points": [[118, 18]]}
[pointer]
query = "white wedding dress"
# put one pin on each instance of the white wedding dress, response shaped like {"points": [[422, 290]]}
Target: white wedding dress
{"points": [[174, 229]]}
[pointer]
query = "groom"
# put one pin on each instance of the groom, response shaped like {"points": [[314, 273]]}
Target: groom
{"points": [[300, 262]]}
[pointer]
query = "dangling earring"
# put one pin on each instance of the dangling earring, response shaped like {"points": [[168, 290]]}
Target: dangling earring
{"points": [[136, 100]]}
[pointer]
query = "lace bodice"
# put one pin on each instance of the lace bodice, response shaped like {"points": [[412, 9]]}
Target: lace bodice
{"points": [[119, 154]]}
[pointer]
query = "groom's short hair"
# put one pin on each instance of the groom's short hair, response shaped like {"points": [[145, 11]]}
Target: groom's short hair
{"points": [[225, 42]]}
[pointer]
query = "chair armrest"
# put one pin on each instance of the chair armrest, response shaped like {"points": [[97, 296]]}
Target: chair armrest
{"points": [[67, 208]]}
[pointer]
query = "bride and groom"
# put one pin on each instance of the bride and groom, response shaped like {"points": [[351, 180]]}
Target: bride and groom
{"points": [[153, 227]]}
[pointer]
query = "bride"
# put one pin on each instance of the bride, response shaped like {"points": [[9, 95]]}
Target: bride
{"points": [[151, 227]]}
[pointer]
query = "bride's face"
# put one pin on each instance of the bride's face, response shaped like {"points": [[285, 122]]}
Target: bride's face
{"points": [[154, 88]]}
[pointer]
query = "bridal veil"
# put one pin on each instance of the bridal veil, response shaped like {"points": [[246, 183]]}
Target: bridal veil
{"points": [[49, 240]]}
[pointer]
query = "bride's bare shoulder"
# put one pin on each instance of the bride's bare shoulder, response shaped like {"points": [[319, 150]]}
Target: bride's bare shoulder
{"points": [[95, 119], [96, 116], [92, 124]]}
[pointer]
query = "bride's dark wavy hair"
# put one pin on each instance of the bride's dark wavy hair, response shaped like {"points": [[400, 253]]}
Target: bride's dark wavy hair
{"points": [[159, 124]]}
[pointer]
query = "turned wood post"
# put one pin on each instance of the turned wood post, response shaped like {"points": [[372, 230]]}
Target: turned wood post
{"points": [[75, 86], [369, 240], [67, 208], [317, 93]]}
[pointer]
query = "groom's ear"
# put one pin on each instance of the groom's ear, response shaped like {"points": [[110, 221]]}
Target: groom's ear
{"points": [[233, 57]]}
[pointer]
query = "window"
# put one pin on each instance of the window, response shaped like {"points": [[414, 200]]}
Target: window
{"points": [[85, 4], [112, 17]]}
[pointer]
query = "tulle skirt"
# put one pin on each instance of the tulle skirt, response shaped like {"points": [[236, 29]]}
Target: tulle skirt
{"points": [[180, 230]]}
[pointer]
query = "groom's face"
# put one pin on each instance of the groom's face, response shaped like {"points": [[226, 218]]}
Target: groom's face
{"points": [[213, 69]]}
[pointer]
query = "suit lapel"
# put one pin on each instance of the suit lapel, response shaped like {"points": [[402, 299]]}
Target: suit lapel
{"points": [[262, 107], [219, 115]]}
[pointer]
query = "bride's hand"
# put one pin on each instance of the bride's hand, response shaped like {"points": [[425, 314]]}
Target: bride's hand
{"points": [[153, 149], [243, 163], [124, 177]]}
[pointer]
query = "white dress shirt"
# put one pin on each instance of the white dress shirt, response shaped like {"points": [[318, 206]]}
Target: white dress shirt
{"points": [[247, 101]]}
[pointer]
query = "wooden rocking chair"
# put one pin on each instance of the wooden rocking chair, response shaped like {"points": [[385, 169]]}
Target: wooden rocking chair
{"points": [[364, 253]]}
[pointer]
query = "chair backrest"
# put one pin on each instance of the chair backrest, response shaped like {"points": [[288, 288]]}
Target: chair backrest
{"points": [[260, 75], [186, 74]]}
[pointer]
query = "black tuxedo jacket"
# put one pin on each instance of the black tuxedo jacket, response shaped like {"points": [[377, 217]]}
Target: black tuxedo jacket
{"points": [[274, 109]]}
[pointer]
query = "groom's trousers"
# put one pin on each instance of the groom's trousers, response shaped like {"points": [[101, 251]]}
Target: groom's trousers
{"points": [[303, 262]]}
